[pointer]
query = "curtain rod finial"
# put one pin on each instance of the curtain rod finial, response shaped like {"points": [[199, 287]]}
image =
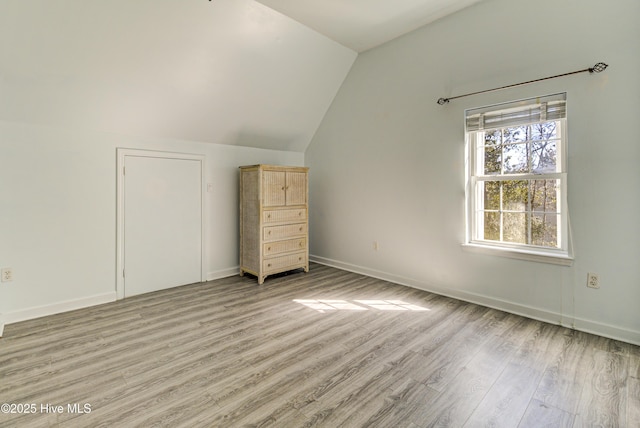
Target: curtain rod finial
{"points": [[443, 101], [601, 66]]}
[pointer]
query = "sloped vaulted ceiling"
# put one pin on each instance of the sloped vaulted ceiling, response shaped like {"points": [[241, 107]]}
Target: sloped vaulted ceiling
{"points": [[364, 24], [229, 71]]}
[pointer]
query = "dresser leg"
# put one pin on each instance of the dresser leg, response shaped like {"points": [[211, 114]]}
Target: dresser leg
{"points": [[241, 272]]}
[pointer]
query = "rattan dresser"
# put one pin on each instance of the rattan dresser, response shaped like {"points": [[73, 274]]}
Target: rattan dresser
{"points": [[273, 220]]}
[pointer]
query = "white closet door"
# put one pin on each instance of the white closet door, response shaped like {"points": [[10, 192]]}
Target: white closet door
{"points": [[162, 223]]}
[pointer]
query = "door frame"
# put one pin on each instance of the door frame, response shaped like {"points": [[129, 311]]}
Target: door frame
{"points": [[122, 153]]}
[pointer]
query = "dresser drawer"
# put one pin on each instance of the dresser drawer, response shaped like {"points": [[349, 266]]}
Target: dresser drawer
{"points": [[282, 263], [287, 246], [284, 216], [271, 233]]}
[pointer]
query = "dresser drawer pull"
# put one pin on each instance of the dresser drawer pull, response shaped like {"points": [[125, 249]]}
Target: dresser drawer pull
{"points": [[269, 216], [300, 229], [269, 233], [299, 258], [269, 265], [268, 248], [300, 244]]}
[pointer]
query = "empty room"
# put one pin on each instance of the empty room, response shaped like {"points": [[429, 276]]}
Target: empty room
{"points": [[358, 213]]}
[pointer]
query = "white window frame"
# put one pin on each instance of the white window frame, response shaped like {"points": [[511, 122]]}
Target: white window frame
{"points": [[475, 198]]}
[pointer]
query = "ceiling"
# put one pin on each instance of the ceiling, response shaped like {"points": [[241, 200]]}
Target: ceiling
{"points": [[364, 24]]}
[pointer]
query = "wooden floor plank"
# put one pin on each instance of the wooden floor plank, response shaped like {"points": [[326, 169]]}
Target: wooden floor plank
{"points": [[604, 396], [541, 415], [507, 400], [566, 375], [633, 402], [463, 394], [325, 348]]}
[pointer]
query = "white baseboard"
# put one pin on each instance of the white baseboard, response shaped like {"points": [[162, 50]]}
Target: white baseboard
{"points": [[59, 307], [223, 273], [70, 305], [606, 330], [587, 326]]}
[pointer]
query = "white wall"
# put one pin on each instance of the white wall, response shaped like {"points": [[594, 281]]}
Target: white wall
{"points": [[58, 212], [387, 163]]}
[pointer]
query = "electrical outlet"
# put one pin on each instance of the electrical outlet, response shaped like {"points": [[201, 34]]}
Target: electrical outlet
{"points": [[6, 275], [593, 280]]}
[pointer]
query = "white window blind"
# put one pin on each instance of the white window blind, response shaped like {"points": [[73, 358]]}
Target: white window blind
{"points": [[532, 110]]}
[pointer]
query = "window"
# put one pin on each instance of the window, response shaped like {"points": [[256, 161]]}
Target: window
{"points": [[517, 177]]}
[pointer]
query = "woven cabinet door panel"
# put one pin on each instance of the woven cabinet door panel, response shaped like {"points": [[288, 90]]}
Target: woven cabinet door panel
{"points": [[274, 188], [296, 188]]}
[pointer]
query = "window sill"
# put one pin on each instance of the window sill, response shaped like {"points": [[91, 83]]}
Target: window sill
{"points": [[520, 254]]}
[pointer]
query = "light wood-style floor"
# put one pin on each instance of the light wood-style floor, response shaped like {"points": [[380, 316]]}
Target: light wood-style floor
{"points": [[328, 348]]}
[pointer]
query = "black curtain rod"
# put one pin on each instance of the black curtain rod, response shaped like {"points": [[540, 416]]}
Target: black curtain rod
{"points": [[601, 66]]}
